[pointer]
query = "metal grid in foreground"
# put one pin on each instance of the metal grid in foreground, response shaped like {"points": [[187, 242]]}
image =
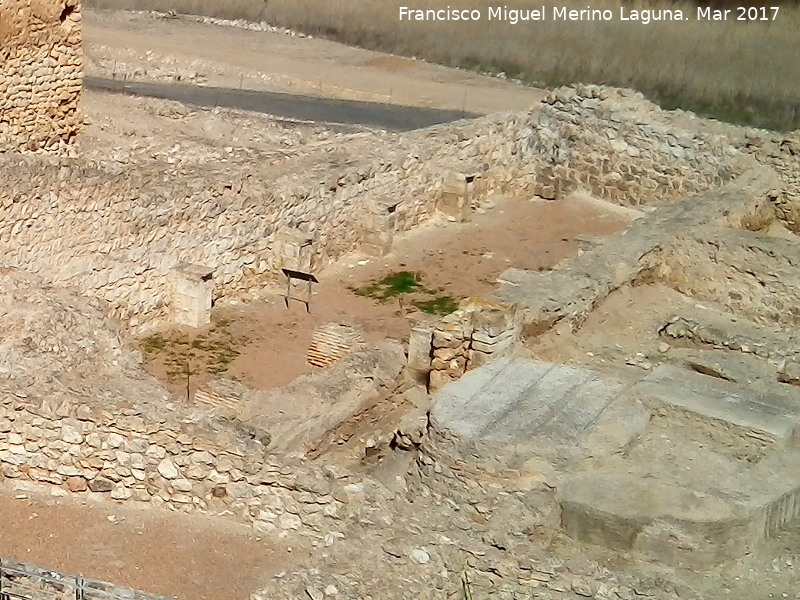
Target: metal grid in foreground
{"points": [[22, 581]]}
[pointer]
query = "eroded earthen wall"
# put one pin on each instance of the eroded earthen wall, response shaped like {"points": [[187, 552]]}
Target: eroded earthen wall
{"points": [[41, 75]]}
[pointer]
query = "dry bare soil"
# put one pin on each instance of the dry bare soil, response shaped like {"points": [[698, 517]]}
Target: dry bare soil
{"points": [[175, 555], [267, 340], [144, 47]]}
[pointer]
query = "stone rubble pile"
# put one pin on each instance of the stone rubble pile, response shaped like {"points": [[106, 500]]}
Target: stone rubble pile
{"points": [[126, 64], [237, 23], [443, 536]]}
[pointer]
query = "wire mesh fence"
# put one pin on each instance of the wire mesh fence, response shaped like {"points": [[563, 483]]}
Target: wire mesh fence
{"points": [[22, 581]]}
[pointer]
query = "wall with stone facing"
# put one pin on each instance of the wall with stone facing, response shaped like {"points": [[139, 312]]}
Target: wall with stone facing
{"points": [[570, 292], [478, 332], [164, 458], [42, 74], [751, 274], [622, 148], [782, 153], [117, 231]]}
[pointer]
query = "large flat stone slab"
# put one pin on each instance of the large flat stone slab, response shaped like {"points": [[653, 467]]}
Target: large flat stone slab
{"points": [[705, 517], [538, 408], [771, 416], [660, 491], [665, 520]]}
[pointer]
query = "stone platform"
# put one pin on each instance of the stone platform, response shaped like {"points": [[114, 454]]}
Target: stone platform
{"points": [[651, 463]]}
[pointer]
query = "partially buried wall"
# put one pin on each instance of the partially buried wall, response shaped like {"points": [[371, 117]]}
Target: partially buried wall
{"points": [[41, 75]]}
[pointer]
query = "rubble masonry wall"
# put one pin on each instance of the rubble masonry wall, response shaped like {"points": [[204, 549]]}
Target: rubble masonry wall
{"points": [[42, 73], [116, 231], [163, 459]]}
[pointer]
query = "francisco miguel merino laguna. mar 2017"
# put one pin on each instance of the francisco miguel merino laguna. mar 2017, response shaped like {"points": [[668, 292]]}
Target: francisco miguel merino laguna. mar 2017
{"points": [[562, 13]]}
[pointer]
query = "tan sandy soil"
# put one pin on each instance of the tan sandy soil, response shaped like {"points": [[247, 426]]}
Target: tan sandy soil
{"points": [[188, 557], [233, 58], [462, 259]]}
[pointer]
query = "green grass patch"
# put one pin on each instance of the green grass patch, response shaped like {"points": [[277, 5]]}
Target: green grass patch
{"points": [[154, 344], [184, 356], [392, 286], [408, 288], [441, 305]]}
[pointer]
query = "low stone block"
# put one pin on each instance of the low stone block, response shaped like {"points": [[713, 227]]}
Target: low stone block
{"points": [[447, 339], [438, 379], [420, 346], [294, 250], [496, 348], [476, 358], [192, 295]]}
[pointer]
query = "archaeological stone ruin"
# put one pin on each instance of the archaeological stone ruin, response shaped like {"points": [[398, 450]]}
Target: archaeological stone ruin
{"points": [[42, 75], [593, 430]]}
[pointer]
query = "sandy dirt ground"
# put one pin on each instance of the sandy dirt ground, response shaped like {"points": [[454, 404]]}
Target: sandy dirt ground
{"points": [[188, 557], [460, 259], [141, 46], [621, 327]]}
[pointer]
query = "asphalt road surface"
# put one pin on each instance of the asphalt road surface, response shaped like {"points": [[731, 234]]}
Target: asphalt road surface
{"points": [[289, 106]]}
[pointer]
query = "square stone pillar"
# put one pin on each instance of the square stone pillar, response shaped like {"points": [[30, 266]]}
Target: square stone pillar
{"points": [[192, 295], [457, 192], [419, 346], [379, 224], [495, 332], [294, 249]]}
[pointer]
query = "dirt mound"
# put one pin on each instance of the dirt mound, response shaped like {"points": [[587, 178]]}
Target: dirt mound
{"points": [[57, 344]]}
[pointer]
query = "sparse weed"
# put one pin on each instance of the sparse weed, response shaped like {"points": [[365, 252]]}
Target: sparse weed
{"points": [[183, 356], [441, 305], [407, 283], [392, 286]]}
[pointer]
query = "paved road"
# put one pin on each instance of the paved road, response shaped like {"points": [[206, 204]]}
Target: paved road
{"points": [[306, 108]]}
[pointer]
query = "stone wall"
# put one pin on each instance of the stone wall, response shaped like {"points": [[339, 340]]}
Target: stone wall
{"points": [[782, 153], [42, 74], [751, 274], [117, 231], [78, 411], [622, 148], [478, 332], [163, 458], [570, 292]]}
